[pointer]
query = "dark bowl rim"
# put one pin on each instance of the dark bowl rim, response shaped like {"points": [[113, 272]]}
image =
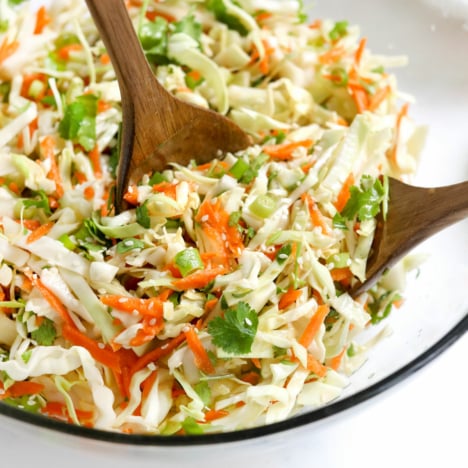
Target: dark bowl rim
{"points": [[246, 434]]}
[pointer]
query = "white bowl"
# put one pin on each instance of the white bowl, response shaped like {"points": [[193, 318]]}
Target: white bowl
{"points": [[434, 314]]}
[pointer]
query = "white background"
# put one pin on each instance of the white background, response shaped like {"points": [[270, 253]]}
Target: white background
{"points": [[421, 422]]}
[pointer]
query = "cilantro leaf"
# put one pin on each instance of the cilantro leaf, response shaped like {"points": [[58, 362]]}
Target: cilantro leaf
{"points": [[221, 13], [190, 26], [235, 332], [79, 121], [153, 36], [204, 392], [364, 202], [45, 334]]}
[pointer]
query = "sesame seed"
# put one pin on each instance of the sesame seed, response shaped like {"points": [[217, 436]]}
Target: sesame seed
{"points": [[151, 366], [186, 329], [283, 256], [223, 236], [152, 322], [101, 345], [164, 346], [248, 321], [122, 300], [204, 218]]}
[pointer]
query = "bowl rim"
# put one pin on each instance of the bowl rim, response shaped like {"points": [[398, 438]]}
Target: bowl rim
{"points": [[321, 413]]}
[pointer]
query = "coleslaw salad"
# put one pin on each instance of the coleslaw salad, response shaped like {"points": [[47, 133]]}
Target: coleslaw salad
{"points": [[218, 300]]}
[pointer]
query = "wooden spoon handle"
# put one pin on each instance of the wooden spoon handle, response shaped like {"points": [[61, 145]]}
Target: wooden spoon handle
{"points": [[122, 44]]}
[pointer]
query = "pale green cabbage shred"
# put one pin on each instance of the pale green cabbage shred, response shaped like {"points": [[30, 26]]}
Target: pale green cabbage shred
{"points": [[269, 70]]}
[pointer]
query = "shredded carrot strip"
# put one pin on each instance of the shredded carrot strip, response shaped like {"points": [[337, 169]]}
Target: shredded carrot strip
{"points": [[315, 214], [42, 20], [264, 64], [393, 152], [359, 52], [313, 326], [332, 55], [21, 388], [315, 366], [102, 106], [360, 97], [88, 192], [263, 16], [222, 238], [30, 224], [39, 232], [26, 85], [379, 97], [202, 360], [341, 274], [152, 15], [158, 353], [51, 298], [131, 195], [212, 415], [65, 51], [289, 298], [344, 194], [285, 151], [47, 147], [105, 59], [95, 157], [7, 49], [251, 377], [152, 307], [210, 304], [148, 384], [167, 188], [335, 361], [316, 24], [199, 279], [100, 352]]}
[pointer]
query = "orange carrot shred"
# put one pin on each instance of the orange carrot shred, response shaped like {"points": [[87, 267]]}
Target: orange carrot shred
{"points": [[21, 388], [47, 147], [379, 97], [199, 279], [157, 353], [51, 298], [42, 20], [315, 214], [100, 352], [284, 151], [95, 157], [39, 232], [202, 360], [7, 49], [65, 51], [314, 325], [212, 415], [289, 298], [344, 194], [335, 361], [359, 52]]}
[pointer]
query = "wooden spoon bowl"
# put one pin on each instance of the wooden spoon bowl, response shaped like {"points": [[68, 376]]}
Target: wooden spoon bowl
{"points": [[157, 129], [414, 215]]}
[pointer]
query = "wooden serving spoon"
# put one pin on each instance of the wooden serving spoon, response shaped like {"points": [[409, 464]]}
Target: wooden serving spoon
{"points": [[414, 214], [157, 128]]}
